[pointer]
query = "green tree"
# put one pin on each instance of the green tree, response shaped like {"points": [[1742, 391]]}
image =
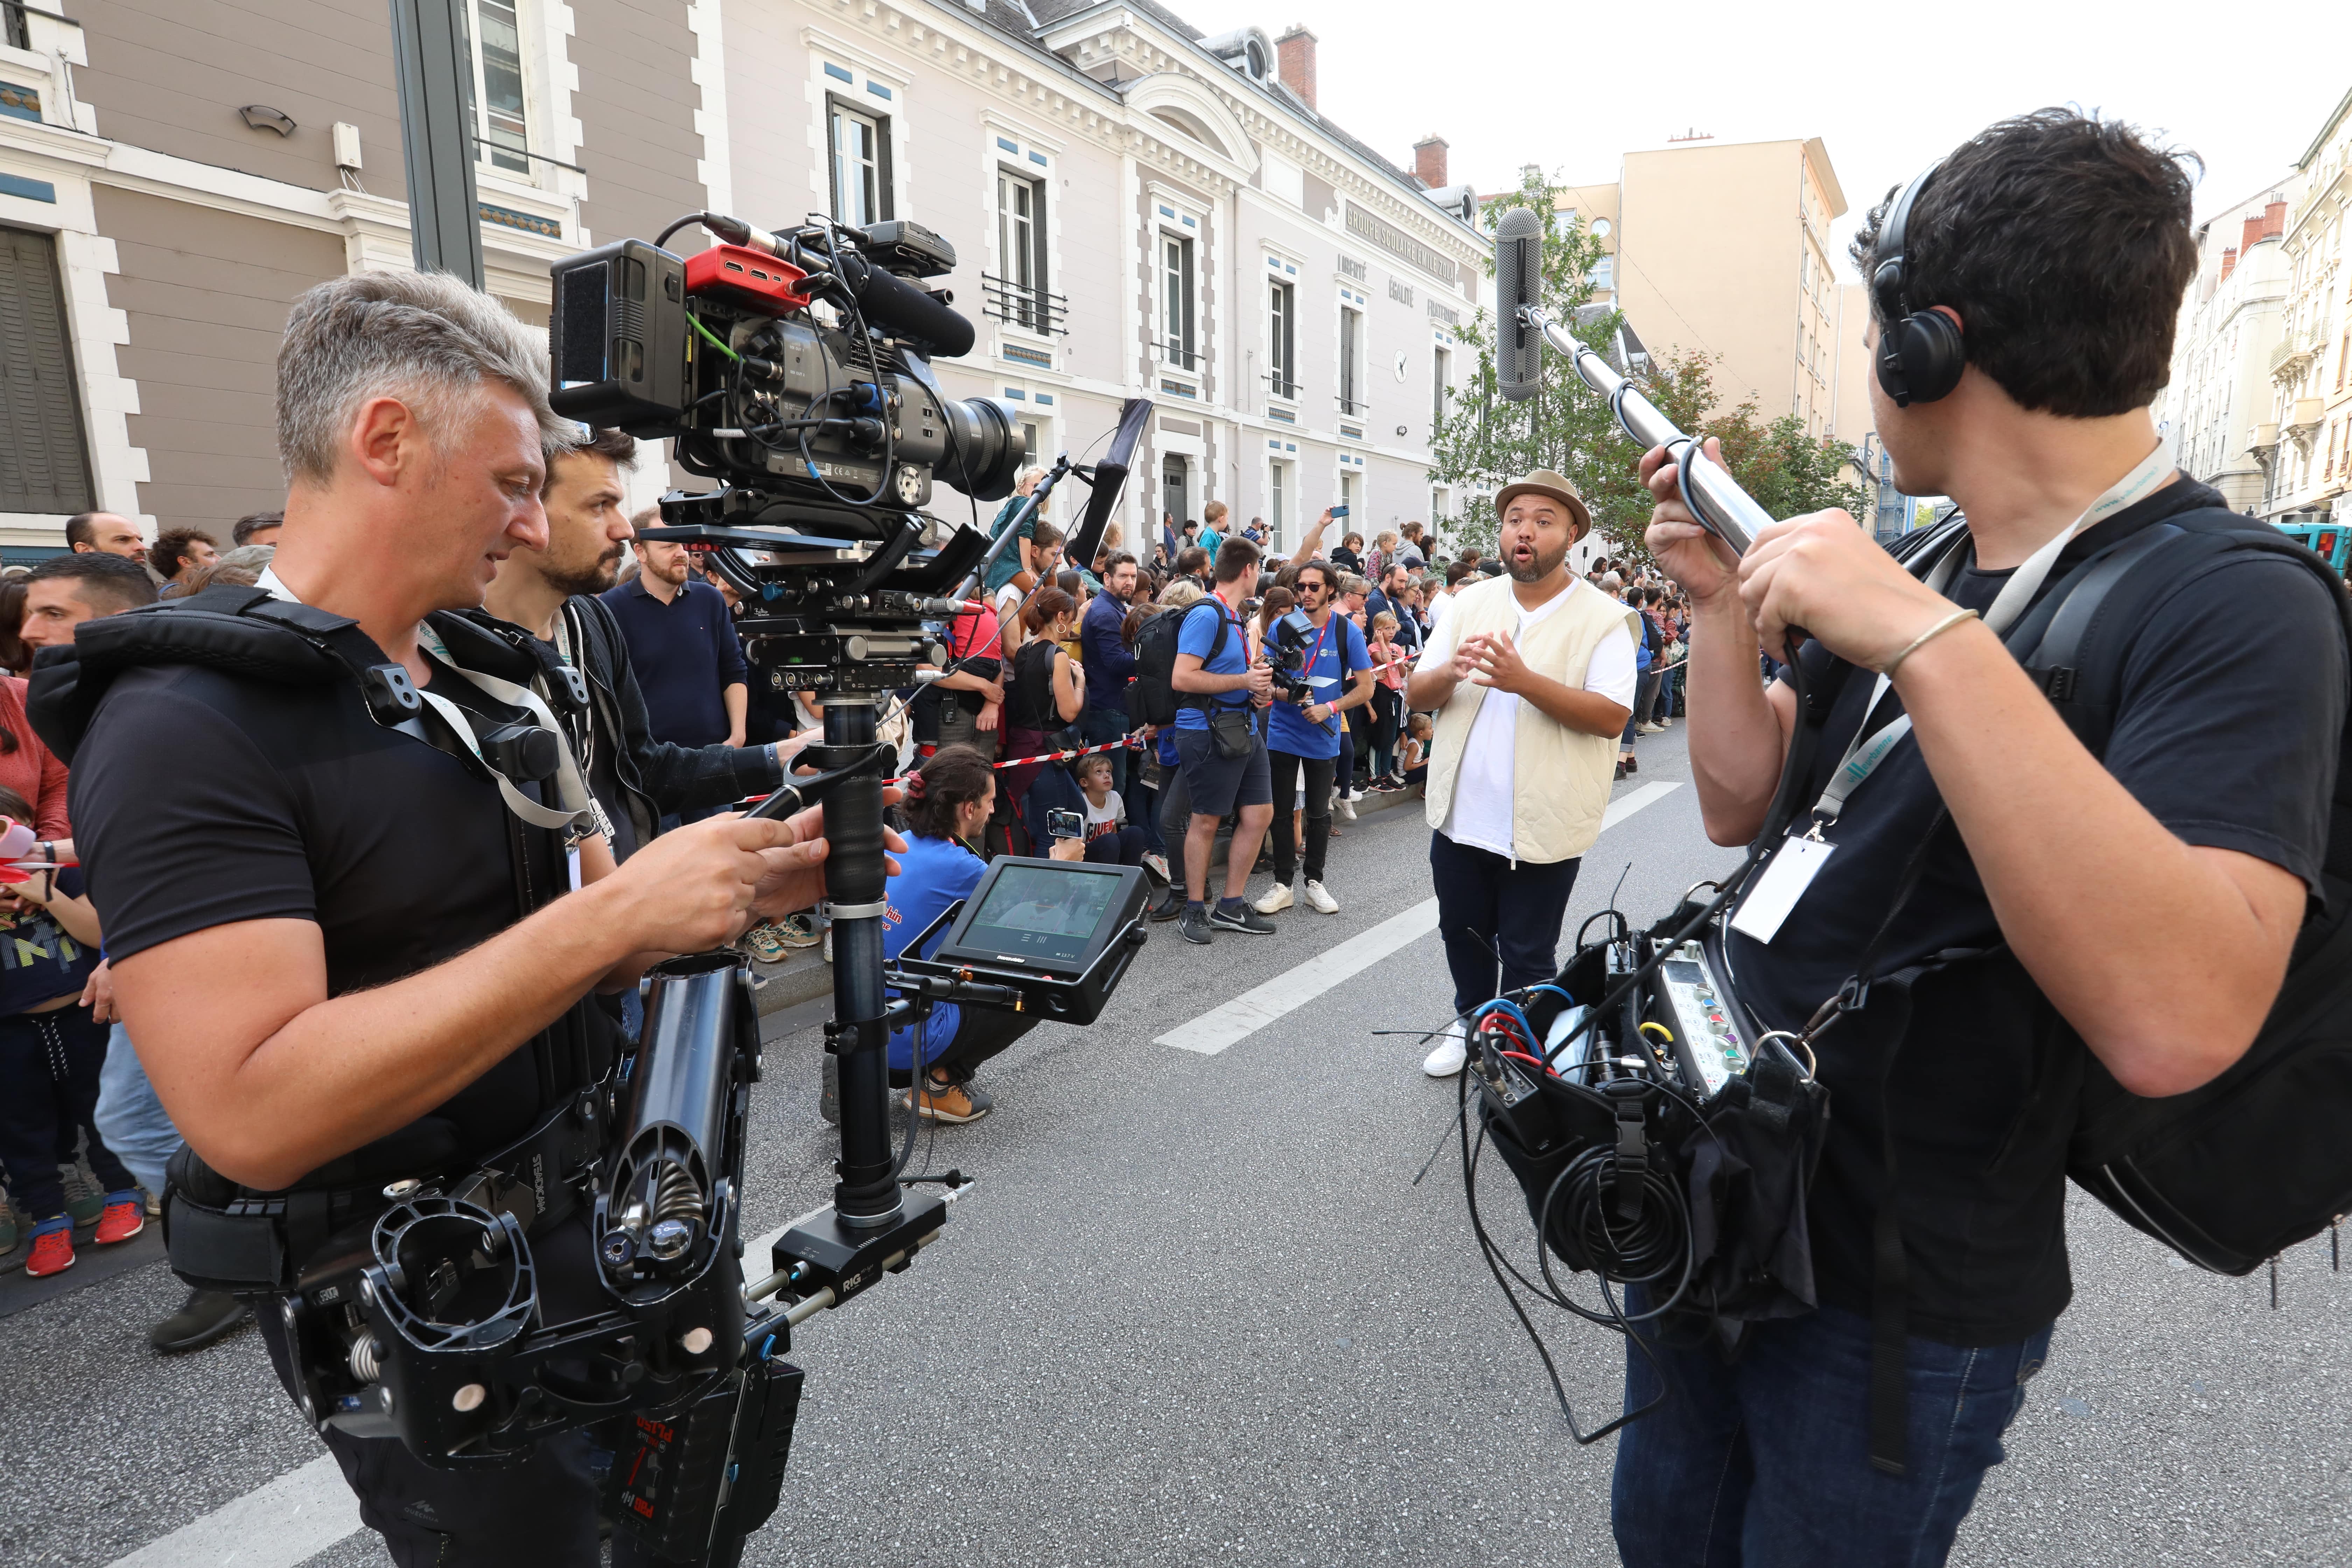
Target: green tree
{"points": [[1485, 441]]}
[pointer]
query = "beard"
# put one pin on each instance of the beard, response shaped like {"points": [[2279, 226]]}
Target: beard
{"points": [[585, 577], [1536, 570]]}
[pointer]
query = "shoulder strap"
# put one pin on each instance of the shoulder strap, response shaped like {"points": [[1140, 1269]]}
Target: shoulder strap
{"points": [[1204, 700], [2087, 626]]}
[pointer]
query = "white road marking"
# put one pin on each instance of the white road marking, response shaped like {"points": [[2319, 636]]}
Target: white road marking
{"points": [[294, 1518], [1222, 1028], [304, 1512]]}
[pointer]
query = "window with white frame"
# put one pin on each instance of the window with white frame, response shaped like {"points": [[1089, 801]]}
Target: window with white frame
{"points": [[1352, 360], [1441, 385], [1282, 339], [1021, 248], [502, 111], [861, 165], [1347, 499], [1277, 497], [1179, 324]]}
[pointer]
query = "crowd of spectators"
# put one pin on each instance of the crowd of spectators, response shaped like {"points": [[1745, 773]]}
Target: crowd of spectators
{"points": [[1048, 663]]}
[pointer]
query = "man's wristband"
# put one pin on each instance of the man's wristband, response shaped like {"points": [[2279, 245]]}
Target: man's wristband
{"points": [[1947, 624]]}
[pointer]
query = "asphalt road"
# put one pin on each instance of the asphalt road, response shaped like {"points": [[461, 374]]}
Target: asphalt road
{"points": [[1196, 1311]]}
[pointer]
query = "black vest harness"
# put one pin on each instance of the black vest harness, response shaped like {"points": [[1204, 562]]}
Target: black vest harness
{"points": [[220, 1235]]}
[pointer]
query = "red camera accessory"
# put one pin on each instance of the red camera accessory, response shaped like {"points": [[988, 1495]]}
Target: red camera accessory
{"points": [[745, 276]]}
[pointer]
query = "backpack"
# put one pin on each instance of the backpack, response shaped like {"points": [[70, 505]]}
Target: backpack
{"points": [[1156, 696], [2230, 1174]]}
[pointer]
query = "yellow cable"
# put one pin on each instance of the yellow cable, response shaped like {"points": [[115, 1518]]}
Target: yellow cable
{"points": [[1663, 1033]]}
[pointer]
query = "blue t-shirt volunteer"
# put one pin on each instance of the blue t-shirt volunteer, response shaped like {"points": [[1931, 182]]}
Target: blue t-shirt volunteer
{"points": [[932, 874], [1337, 653], [1197, 636]]}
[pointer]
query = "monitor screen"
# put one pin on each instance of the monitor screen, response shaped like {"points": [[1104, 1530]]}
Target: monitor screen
{"points": [[1042, 915]]}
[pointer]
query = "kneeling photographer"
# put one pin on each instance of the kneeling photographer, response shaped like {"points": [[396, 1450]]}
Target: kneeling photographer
{"points": [[355, 957], [1984, 911]]}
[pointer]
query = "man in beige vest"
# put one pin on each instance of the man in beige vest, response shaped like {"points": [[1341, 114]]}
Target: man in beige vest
{"points": [[1532, 675]]}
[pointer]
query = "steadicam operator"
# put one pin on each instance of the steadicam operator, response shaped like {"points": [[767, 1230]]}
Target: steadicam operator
{"points": [[351, 956]]}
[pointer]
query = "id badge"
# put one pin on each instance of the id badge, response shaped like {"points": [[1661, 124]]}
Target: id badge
{"points": [[1784, 881]]}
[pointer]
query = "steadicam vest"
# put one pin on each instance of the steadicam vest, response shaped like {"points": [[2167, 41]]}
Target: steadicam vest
{"points": [[223, 1235]]}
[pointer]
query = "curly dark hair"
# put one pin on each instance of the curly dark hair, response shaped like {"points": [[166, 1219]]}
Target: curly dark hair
{"points": [[954, 777], [2063, 242]]}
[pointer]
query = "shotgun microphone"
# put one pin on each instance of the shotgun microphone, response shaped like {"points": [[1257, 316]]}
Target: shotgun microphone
{"points": [[1518, 286]]}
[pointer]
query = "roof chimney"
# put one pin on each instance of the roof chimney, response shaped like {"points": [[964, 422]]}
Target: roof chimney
{"points": [[2275, 219], [1294, 56], [2230, 257], [1429, 161]]}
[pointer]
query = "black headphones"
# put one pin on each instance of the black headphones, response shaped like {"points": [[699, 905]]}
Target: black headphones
{"points": [[1920, 355]]}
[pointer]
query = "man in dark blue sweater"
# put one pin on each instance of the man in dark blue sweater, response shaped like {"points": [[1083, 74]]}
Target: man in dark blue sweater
{"points": [[1102, 644], [682, 642]]}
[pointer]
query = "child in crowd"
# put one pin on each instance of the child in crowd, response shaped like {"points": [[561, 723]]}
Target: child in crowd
{"points": [[1414, 763], [1388, 696], [1111, 839], [51, 1055]]}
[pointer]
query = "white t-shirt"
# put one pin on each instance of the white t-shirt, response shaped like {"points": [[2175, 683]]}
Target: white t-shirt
{"points": [[1438, 604], [1480, 815], [1106, 818]]}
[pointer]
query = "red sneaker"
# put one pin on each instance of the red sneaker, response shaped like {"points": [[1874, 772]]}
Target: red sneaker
{"points": [[123, 1219], [52, 1253]]}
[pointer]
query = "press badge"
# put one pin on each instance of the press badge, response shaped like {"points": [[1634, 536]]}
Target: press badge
{"points": [[1784, 881]]}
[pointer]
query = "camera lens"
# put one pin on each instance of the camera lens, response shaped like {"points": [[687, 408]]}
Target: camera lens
{"points": [[986, 448]]}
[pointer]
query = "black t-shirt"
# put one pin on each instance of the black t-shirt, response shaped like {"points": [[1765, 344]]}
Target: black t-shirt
{"points": [[200, 799], [2228, 731]]}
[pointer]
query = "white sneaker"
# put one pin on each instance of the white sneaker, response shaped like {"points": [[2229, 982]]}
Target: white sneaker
{"points": [[1651, 729], [1342, 809], [1318, 898], [1277, 898], [1453, 1050], [1354, 794], [1159, 864]]}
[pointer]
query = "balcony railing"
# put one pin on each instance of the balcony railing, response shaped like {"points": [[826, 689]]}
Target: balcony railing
{"points": [[1281, 386], [1180, 355], [1352, 406], [1022, 306]]}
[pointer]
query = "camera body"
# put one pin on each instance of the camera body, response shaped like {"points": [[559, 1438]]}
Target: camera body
{"points": [[1288, 650], [799, 374]]}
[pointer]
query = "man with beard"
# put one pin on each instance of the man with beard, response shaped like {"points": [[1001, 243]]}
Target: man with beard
{"points": [[689, 662], [552, 595], [1533, 677]]}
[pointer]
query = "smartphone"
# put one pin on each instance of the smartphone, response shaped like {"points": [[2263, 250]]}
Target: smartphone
{"points": [[1338, 511], [1066, 825]]}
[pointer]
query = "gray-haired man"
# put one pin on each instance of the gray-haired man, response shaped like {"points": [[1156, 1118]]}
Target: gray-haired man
{"points": [[339, 956]]}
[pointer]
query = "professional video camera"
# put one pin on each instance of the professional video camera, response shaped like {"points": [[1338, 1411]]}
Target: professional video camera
{"points": [[794, 369], [794, 366], [1287, 651]]}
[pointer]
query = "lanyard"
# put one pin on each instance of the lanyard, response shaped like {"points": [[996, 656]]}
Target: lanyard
{"points": [[579, 813], [1868, 749]]}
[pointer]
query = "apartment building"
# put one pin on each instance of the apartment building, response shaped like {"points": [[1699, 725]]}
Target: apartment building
{"points": [[2305, 443], [1137, 209], [2230, 326], [1723, 248]]}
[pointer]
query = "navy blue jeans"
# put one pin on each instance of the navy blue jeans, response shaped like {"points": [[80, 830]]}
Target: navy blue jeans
{"points": [[1766, 1463], [1495, 915]]}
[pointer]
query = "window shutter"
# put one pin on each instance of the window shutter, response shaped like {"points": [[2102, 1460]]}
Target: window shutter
{"points": [[43, 465]]}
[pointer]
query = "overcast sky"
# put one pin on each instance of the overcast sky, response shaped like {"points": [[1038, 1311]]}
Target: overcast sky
{"points": [[1889, 88]]}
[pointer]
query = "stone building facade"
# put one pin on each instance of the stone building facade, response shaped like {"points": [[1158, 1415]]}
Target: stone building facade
{"points": [[1137, 209]]}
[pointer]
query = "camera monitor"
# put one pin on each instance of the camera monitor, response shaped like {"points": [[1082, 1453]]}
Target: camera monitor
{"points": [[1060, 932]]}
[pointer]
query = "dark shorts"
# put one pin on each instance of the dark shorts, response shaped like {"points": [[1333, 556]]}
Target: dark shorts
{"points": [[1217, 783]]}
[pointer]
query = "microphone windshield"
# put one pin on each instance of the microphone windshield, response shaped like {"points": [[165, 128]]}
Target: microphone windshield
{"points": [[1519, 280]]}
